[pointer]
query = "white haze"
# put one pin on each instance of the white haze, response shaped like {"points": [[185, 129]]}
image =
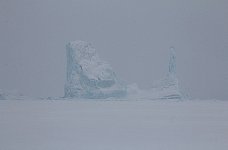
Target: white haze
{"points": [[133, 36]]}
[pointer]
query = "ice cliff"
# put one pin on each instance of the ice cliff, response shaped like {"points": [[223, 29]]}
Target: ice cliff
{"points": [[88, 76]]}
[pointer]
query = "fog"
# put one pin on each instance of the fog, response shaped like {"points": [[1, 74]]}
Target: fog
{"points": [[133, 36]]}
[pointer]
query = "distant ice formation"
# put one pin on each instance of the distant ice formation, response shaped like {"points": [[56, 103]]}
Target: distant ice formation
{"points": [[88, 76], [11, 95], [2, 95]]}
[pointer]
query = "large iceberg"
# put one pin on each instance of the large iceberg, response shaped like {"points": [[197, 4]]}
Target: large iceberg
{"points": [[88, 76]]}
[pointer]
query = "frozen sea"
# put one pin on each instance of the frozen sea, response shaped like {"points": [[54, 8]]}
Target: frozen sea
{"points": [[113, 125]]}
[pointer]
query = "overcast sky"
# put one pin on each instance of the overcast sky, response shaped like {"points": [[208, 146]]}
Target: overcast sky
{"points": [[134, 36]]}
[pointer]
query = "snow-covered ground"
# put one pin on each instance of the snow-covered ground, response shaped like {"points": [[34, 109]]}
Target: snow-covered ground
{"points": [[113, 125]]}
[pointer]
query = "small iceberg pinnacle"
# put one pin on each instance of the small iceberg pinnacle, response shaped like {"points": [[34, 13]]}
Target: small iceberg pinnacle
{"points": [[171, 77], [168, 87], [172, 62]]}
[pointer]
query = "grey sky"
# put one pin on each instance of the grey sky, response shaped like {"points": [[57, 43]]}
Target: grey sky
{"points": [[133, 36]]}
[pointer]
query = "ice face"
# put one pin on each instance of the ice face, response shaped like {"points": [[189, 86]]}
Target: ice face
{"points": [[88, 76]]}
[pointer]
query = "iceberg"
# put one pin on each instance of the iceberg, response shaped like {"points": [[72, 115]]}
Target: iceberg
{"points": [[88, 76], [91, 78]]}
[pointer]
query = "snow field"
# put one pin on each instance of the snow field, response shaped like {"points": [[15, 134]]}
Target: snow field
{"points": [[113, 125]]}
